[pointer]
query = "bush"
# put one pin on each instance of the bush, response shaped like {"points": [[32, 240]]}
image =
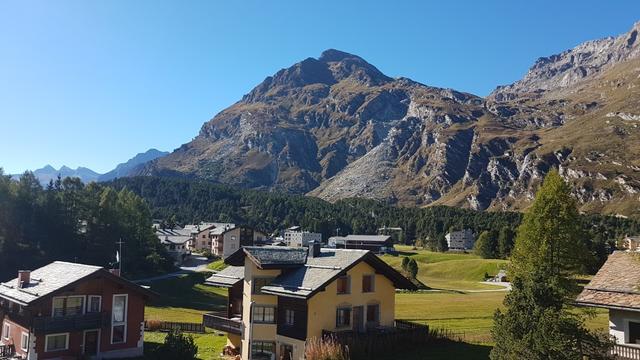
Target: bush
{"points": [[177, 346], [325, 349]]}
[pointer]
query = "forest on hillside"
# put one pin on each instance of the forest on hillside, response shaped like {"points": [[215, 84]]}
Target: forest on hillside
{"points": [[192, 201], [70, 221]]}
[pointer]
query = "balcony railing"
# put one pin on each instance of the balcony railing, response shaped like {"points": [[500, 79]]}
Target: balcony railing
{"points": [[220, 321], [625, 352], [7, 351], [71, 323]]}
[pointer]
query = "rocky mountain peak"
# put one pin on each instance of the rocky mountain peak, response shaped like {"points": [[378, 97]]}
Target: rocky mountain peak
{"points": [[565, 69], [330, 68]]}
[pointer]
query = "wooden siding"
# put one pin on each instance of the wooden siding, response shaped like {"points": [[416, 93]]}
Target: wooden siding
{"points": [[299, 328]]}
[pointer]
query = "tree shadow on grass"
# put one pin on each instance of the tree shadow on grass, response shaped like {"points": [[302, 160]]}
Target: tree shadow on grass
{"points": [[443, 350], [188, 291]]}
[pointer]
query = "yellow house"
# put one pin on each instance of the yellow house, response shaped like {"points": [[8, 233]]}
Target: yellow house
{"points": [[292, 294]]}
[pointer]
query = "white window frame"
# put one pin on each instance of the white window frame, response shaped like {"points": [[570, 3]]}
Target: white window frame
{"points": [[89, 302], [46, 342], [126, 318], [6, 325], [22, 336]]}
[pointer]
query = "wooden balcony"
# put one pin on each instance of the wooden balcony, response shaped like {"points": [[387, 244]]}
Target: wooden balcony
{"points": [[626, 352], [71, 323], [7, 351], [381, 339], [220, 321]]}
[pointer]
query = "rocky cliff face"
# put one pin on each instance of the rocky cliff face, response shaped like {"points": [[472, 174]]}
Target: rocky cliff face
{"points": [[336, 127]]}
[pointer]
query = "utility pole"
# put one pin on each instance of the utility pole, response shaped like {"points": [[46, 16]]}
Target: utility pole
{"points": [[119, 243]]}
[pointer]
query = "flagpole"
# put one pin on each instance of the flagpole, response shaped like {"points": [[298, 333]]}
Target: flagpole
{"points": [[120, 256]]}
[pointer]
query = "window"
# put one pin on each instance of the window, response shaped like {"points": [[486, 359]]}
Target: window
{"points": [[289, 317], [95, 304], [258, 283], [368, 283], [344, 285], [264, 314], [373, 314], [24, 341], [67, 306], [56, 342], [119, 319], [6, 330], [343, 317], [634, 333], [263, 350]]}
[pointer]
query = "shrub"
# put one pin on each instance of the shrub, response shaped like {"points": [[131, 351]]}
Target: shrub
{"points": [[325, 349], [177, 346], [154, 325]]}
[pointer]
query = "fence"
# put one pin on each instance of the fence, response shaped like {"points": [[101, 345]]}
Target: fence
{"points": [[387, 340], [7, 350], [153, 325], [623, 352]]}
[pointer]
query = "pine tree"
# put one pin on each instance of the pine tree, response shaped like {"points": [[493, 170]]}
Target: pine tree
{"points": [[486, 245], [412, 268], [505, 242], [537, 323]]}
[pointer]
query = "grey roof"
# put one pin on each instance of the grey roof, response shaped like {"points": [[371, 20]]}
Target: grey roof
{"points": [[227, 277], [266, 256], [218, 230], [46, 280], [304, 280], [173, 236], [367, 238]]}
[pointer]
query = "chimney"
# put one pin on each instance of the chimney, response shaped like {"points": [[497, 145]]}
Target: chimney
{"points": [[24, 278], [314, 249], [115, 272]]}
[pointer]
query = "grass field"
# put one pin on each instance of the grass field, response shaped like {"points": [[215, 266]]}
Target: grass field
{"points": [[209, 344]]}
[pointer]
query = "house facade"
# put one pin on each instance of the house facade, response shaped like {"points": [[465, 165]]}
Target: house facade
{"points": [[68, 310], [292, 294], [460, 240], [297, 238], [615, 287], [227, 240], [176, 242]]}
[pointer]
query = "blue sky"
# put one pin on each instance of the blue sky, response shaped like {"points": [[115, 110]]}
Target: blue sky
{"points": [[92, 83]]}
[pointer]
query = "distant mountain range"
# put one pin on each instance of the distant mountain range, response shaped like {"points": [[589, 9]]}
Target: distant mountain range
{"points": [[337, 127], [48, 172]]}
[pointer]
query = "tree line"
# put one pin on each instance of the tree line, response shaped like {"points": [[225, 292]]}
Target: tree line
{"points": [[192, 201], [69, 221]]}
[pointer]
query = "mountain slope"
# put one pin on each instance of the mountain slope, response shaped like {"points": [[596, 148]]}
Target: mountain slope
{"points": [[124, 169], [48, 173], [336, 127]]}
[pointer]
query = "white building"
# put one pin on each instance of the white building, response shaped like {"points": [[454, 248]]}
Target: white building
{"points": [[460, 240], [296, 238]]}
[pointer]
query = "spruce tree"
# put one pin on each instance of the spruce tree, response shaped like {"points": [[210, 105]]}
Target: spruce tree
{"points": [[538, 322]]}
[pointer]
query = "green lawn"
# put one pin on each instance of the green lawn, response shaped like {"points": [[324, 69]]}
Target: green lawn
{"points": [[217, 265], [450, 270], [209, 344]]}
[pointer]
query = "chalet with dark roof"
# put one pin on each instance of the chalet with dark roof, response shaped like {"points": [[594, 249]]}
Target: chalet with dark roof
{"points": [[281, 296], [68, 310]]}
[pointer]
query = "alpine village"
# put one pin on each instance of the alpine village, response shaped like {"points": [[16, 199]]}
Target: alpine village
{"points": [[337, 213]]}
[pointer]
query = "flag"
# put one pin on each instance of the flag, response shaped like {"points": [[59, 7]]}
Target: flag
{"points": [[117, 256]]}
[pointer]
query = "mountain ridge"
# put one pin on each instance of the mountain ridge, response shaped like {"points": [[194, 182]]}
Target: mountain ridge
{"points": [[336, 127]]}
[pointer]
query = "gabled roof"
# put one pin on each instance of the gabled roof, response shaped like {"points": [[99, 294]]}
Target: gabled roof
{"points": [[304, 278], [616, 285], [228, 277], [56, 276], [269, 257]]}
